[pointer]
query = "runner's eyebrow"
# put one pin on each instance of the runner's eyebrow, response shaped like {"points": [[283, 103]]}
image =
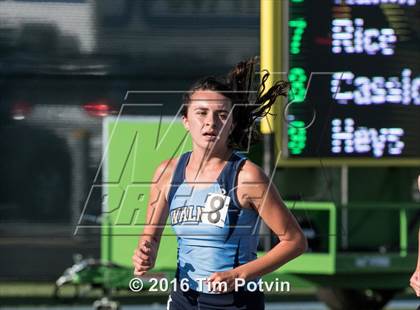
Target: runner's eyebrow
{"points": [[206, 109]]}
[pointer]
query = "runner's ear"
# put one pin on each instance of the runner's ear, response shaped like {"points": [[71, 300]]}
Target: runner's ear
{"points": [[185, 123]]}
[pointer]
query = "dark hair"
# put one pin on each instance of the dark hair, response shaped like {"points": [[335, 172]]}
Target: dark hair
{"points": [[247, 96]]}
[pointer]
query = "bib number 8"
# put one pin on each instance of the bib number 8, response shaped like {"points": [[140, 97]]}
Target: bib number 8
{"points": [[216, 204], [215, 209]]}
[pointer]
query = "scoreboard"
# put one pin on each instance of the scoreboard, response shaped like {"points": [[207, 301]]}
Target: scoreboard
{"points": [[354, 68]]}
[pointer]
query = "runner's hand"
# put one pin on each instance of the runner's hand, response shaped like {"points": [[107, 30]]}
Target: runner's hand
{"points": [[144, 257], [216, 279]]}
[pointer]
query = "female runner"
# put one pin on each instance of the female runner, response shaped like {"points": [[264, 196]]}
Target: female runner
{"points": [[215, 199]]}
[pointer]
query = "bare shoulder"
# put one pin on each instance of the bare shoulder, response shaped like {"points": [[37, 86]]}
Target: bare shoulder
{"points": [[251, 173], [251, 182], [163, 174], [165, 170]]}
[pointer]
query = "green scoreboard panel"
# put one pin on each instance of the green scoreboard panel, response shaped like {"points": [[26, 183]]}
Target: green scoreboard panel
{"points": [[354, 67]]}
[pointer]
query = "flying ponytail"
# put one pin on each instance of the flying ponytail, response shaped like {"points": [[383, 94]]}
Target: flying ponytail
{"points": [[251, 101]]}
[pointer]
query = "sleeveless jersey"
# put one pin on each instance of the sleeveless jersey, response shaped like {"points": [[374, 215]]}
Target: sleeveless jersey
{"points": [[213, 232]]}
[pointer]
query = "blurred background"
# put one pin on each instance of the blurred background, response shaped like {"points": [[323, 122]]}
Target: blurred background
{"points": [[65, 65]]}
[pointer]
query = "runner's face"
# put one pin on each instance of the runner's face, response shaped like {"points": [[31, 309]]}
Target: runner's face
{"points": [[208, 119]]}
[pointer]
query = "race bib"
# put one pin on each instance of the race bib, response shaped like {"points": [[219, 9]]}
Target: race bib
{"points": [[215, 209]]}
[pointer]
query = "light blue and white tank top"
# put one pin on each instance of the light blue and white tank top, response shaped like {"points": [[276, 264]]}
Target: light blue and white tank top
{"points": [[213, 232]]}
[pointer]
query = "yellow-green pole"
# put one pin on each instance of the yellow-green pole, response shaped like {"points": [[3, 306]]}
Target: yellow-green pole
{"points": [[271, 25], [270, 59]]}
